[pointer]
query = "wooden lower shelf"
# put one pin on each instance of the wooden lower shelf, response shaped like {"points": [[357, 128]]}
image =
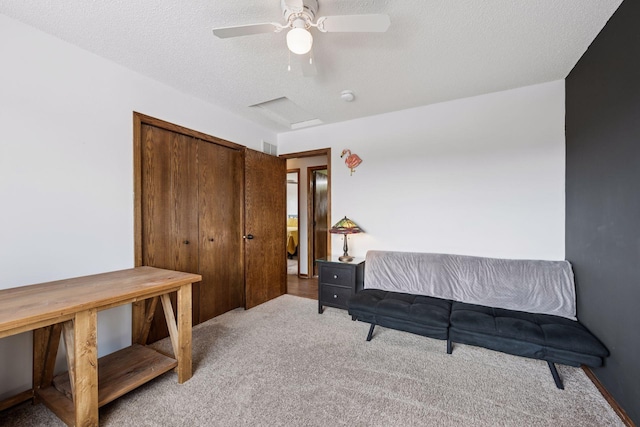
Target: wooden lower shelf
{"points": [[118, 374]]}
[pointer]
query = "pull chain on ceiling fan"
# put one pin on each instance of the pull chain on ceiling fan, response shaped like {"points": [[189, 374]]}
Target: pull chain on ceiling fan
{"points": [[299, 16]]}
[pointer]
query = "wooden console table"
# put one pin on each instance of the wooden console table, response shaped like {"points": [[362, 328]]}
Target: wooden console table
{"points": [[68, 308]]}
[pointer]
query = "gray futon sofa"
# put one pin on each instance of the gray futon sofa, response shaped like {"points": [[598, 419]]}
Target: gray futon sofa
{"points": [[521, 307]]}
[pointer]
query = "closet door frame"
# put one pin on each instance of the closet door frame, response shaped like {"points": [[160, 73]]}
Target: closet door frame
{"points": [[138, 308]]}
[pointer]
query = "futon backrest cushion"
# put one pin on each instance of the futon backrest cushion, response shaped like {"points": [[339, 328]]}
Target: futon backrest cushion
{"points": [[534, 286]]}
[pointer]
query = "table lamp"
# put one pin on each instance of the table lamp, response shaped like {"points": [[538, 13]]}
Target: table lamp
{"points": [[345, 226]]}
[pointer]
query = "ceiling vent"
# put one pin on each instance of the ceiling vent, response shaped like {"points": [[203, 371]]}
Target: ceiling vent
{"points": [[287, 113], [269, 148]]}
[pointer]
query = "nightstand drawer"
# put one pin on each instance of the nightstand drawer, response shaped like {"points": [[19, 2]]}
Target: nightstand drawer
{"points": [[333, 275], [337, 281], [335, 295]]}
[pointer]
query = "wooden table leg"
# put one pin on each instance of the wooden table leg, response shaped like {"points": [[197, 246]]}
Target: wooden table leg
{"points": [[68, 332], [184, 333], [142, 317], [45, 350], [85, 397]]}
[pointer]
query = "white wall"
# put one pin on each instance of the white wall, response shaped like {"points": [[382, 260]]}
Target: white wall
{"points": [[478, 176], [66, 170], [303, 164], [292, 194]]}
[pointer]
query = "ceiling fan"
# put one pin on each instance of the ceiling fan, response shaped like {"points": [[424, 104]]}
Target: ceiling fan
{"points": [[299, 17]]}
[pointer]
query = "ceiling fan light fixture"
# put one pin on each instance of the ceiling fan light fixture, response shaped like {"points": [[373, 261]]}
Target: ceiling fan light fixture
{"points": [[299, 41]]}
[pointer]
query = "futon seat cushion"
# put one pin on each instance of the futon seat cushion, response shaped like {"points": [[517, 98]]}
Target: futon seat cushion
{"points": [[539, 336], [418, 314]]}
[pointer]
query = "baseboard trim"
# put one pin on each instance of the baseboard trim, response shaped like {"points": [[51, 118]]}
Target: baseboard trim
{"points": [[15, 400], [608, 397]]}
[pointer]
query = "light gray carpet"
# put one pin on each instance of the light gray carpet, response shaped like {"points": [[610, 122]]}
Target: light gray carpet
{"points": [[283, 364]]}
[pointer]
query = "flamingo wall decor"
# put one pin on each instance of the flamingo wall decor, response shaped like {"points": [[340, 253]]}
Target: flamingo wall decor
{"points": [[352, 160]]}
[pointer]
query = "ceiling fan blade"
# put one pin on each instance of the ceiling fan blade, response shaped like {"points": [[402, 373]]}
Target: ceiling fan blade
{"points": [[307, 64], [245, 30], [354, 23]]}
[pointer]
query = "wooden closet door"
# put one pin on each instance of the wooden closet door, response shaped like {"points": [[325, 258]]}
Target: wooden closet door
{"points": [[220, 218], [169, 209], [265, 227]]}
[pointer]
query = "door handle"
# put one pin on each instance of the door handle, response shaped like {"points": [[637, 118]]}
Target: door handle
{"points": [[248, 237]]}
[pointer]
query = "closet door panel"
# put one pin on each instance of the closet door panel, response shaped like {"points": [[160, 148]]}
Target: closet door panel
{"points": [[220, 219], [169, 209]]}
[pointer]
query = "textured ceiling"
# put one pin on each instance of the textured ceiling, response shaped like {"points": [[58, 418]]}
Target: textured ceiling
{"points": [[434, 50]]}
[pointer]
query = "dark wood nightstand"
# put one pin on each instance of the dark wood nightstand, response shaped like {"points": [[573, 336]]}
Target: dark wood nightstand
{"points": [[338, 280]]}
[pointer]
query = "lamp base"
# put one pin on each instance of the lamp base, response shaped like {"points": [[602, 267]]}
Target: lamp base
{"points": [[345, 258]]}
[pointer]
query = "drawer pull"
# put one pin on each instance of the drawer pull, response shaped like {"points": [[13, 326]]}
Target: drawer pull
{"points": [[335, 276], [335, 296]]}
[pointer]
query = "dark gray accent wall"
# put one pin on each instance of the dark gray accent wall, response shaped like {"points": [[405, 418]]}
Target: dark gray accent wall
{"points": [[603, 198]]}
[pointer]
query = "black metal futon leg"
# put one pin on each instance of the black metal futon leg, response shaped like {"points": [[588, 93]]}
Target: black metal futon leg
{"points": [[370, 335], [556, 376], [448, 346]]}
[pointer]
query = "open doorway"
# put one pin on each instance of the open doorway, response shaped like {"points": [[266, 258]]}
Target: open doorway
{"points": [[312, 166]]}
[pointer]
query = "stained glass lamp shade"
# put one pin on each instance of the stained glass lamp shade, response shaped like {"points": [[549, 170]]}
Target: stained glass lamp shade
{"points": [[345, 226]]}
